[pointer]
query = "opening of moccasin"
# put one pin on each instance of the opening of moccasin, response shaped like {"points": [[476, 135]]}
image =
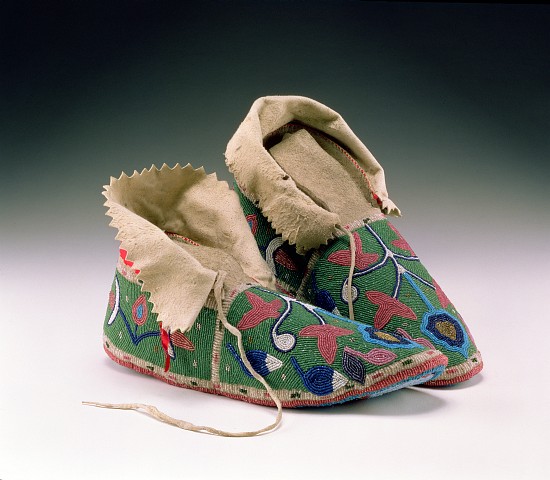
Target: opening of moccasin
{"points": [[214, 259], [323, 171], [187, 204], [303, 166]]}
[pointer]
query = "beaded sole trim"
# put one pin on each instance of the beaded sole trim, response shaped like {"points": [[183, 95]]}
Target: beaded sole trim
{"points": [[425, 365], [458, 373]]}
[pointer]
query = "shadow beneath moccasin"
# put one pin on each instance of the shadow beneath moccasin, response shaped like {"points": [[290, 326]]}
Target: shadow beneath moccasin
{"points": [[405, 402], [408, 401], [458, 386]]}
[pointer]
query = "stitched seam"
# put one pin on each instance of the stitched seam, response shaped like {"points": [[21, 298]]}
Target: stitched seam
{"points": [[216, 351], [177, 236]]}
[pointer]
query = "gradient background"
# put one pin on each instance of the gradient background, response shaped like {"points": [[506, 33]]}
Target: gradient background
{"points": [[454, 102]]}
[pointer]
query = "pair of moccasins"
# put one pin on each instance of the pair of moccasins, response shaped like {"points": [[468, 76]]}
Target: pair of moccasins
{"points": [[292, 289]]}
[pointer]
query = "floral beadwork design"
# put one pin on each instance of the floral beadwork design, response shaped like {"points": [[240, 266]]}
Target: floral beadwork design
{"points": [[252, 221], [261, 310], [389, 257], [386, 339], [299, 332], [326, 338], [320, 380], [140, 310], [136, 332], [388, 307], [443, 328], [261, 361], [355, 368], [362, 260], [437, 324]]}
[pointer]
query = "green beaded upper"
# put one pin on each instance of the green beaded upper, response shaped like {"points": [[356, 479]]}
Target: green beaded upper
{"points": [[391, 288]]}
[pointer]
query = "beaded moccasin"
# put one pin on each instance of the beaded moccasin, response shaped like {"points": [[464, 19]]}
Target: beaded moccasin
{"points": [[194, 304], [316, 201]]}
